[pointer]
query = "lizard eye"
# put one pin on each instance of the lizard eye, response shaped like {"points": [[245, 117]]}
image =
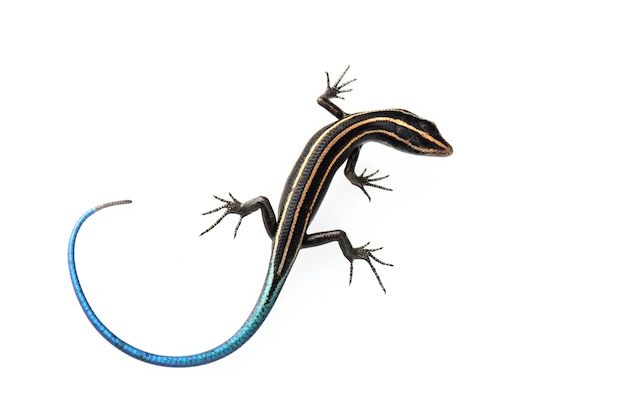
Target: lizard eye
{"points": [[428, 126]]}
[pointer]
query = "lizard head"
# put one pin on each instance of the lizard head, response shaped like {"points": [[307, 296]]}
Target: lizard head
{"points": [[420, 136]]}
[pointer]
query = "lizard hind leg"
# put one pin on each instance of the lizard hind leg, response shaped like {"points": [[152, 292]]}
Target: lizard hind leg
{"points": [[350, 252], [234, 206]]}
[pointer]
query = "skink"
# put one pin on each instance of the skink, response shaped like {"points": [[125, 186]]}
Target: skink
{"points": [[304, 191]]}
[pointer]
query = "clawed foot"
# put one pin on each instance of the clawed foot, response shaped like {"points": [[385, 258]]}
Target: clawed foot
{"points": [[336, 89], [362, 252], [368, 180], [232, 206]]}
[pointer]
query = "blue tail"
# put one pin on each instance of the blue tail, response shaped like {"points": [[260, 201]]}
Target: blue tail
{"points": [[251, 325]]}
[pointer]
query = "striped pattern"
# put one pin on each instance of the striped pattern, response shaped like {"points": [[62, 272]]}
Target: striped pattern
{"points": [[304, 190], [326, 152]]}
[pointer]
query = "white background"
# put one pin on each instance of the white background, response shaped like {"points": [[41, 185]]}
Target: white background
{"points": [[508, 293]]}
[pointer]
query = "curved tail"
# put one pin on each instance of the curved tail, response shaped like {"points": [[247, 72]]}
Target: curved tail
{"points": [[251, 325]]}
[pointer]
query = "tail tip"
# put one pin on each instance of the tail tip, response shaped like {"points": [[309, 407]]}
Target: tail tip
{"points": [[112, 203]]}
